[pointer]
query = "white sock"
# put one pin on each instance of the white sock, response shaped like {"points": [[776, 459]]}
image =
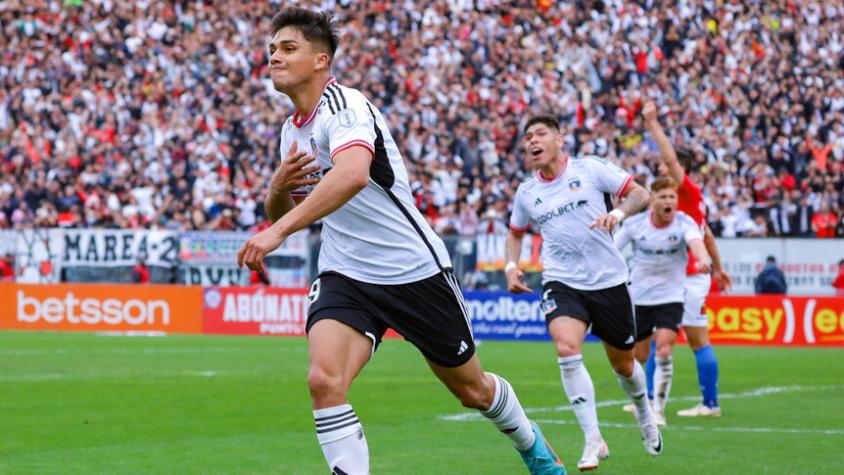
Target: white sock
{"points": [[662, 382], [341, 437], [636, 388], [508, 416], [581, 393]]}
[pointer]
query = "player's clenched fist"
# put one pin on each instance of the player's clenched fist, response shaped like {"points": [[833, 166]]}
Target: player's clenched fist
{"points": [[294, 170], [252, 253], [649, 111]]}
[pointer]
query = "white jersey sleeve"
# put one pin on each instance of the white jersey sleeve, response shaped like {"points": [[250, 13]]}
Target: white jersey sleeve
{"points": [[609, 177], [353, 124], [520, 218], [691, 230]]}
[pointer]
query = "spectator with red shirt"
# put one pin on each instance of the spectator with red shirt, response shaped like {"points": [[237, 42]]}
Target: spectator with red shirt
{"points": [[140, 271], [824, 222], [7, 268]]}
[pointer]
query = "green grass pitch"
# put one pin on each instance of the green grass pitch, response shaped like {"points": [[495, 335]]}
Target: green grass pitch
{"points": [[84, 404]]}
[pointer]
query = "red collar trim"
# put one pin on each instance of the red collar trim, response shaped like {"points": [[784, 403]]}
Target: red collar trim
{"points": [[299, 121], [658, 226], [542, 177]]}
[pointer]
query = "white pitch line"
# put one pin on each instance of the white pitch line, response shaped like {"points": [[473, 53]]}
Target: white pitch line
{"points": [[121, 351], [763, 391], [701, 428]]}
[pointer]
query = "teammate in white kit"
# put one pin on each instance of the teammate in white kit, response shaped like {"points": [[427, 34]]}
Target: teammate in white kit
{"points": [[661, 238], [695, 322], [584, 281], [380, 264]]}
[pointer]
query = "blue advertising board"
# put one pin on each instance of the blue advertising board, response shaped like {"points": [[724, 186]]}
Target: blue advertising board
{"points": [[499, 315]]}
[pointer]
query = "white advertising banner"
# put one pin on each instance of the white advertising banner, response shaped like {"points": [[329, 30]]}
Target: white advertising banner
{"points": [[809, 265], [116, 247]]}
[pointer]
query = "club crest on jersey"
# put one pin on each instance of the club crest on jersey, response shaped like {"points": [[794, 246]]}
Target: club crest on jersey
{"points": [[347, 117], [574, 184], [313, 145]]}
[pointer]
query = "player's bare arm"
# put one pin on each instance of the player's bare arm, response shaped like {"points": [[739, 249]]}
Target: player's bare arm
{"points": [[291, 174], [635, 199], [348, 177], [513, 249], [702, 263], [666, 150], [725, 283]]}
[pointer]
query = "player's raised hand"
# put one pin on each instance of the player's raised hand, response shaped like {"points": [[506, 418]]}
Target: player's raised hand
{"points": [[253, 251], [606, 221], [649, 112], [725, 283], [292, 171], [514, 281]]}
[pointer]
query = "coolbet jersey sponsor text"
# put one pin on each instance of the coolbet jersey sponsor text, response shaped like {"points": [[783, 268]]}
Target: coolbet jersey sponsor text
{"points": [[378, 236], [659, 258], [564, 208]]}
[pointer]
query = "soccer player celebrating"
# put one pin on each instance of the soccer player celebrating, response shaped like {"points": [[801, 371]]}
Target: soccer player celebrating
{"points": [[585, 278], [380, 264], [690, 201], [661, 239]]}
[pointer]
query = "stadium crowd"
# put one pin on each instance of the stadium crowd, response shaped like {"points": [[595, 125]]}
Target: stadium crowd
{"points": [[161, 114]]}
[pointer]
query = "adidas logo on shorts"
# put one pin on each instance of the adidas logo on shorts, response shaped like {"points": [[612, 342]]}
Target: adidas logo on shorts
{"points": [[463, 347]]}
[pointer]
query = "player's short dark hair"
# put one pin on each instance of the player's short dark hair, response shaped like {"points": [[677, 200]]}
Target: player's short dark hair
{"points": [[771, 260], [316, 27], [686, 157], [547, 120], [663, 183]]}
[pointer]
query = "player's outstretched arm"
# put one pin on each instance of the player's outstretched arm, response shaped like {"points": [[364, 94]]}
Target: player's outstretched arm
{"points": [[702, 263], [666, 150], [291, 174], [348, 177], [513, 250], [721, 276]]}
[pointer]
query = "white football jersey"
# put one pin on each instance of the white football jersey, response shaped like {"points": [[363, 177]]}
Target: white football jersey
{"points": [[378, 236], [564, 207], [658, 265]]}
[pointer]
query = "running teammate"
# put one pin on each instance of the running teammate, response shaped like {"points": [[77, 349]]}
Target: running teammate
{"points": [[380, 264], [690, 201], [584, 279], [661, 239]]}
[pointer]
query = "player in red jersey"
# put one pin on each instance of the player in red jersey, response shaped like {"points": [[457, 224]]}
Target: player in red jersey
{"points": [[690, 201]]}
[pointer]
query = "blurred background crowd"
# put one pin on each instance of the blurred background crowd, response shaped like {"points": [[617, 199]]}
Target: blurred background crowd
{"points": [[154, 114]]}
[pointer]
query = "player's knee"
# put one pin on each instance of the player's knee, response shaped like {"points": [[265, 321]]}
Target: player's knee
{"points": [[475, 397], [623, 368], [663, 350], [324, 386], [567, 348]]}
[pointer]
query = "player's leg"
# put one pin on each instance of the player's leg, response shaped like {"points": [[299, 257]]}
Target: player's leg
{"points": [[667, 319], [337, 354], [342, 336], [695, 324], [614, 322], [430, 315], [567, 324], [644, 349], [496, 400]]}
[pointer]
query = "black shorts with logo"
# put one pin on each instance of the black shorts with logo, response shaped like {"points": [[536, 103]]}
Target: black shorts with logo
{"points": [[609, 311], [429, 313], [651, 317]]}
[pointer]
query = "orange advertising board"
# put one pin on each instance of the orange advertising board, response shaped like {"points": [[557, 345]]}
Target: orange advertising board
{"points": [[101, 307], [776, 320]]}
